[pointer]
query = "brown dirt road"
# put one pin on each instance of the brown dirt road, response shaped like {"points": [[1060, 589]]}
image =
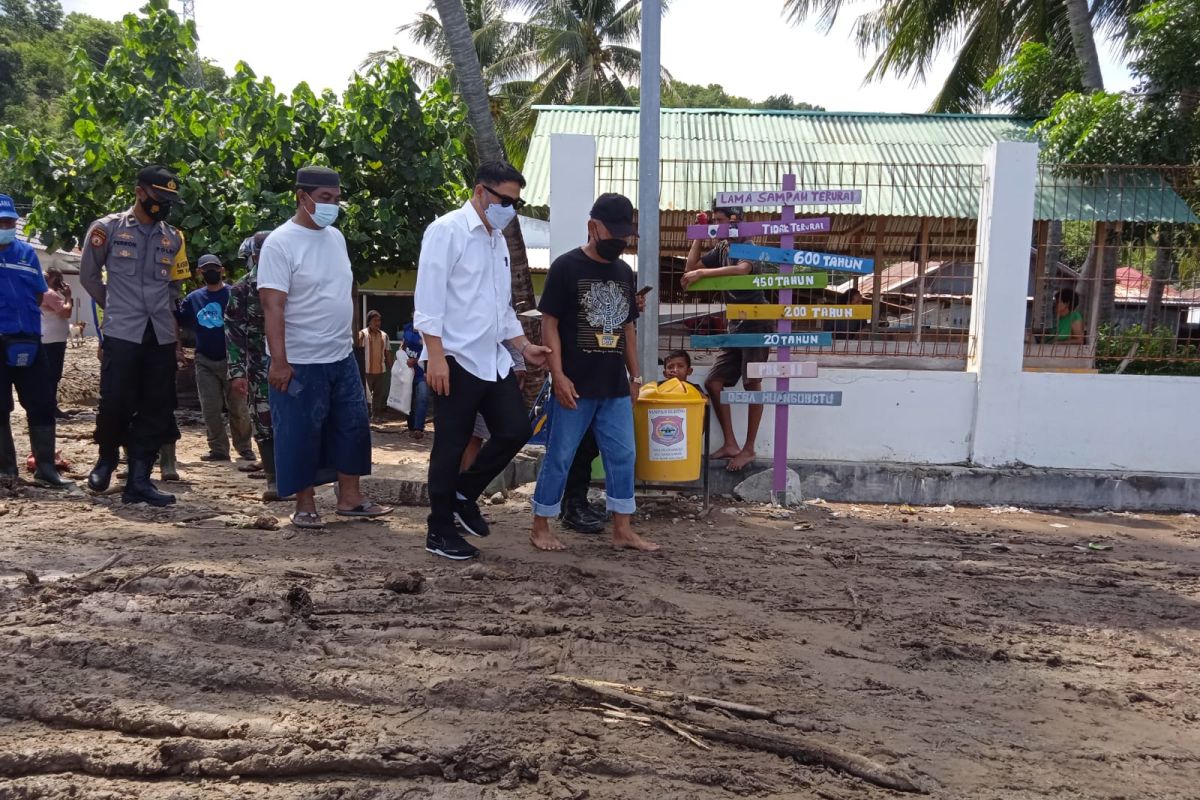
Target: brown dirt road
{"points": [[978, 653]]}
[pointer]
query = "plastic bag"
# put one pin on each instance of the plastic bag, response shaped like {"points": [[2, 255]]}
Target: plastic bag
{"points": [[400, 397]]}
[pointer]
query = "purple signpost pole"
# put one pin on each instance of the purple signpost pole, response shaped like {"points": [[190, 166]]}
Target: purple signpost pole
{"points": [[779, 484]]}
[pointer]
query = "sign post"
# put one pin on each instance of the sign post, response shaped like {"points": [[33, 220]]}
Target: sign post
{"points": [[816, 267]]}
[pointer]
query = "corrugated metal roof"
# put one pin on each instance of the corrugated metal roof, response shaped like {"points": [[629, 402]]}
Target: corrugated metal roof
{"points": [[908, 165]]}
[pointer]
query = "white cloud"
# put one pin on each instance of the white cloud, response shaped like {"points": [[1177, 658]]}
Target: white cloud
{"points": [[746, 47]]}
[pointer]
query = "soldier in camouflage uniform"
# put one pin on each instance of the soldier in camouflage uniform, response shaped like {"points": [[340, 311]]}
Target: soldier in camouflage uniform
{"points": [[245, 339]]}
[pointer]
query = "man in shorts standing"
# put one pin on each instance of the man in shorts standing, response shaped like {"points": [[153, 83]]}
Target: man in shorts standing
{"points": [[731, 364]]}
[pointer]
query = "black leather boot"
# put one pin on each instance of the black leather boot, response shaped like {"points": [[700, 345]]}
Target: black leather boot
{"points": [[101, 475], [577, 515], [139, 489], [9, 476], [41, 439]]}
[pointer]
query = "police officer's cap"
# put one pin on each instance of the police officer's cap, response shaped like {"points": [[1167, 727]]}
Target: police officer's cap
{"points": [[312, 177], [160, 179]]}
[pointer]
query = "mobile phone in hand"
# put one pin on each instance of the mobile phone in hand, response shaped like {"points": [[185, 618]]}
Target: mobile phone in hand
{"points": [[294, 387], [645, 290]]}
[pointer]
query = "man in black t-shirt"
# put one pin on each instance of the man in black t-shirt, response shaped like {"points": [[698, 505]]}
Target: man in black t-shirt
{"points": [[730, 366], [588, 311]]}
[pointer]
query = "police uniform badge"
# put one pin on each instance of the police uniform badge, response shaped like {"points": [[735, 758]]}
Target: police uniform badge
{"points": [[99, 237]]}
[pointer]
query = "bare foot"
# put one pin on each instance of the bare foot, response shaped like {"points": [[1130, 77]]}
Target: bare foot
{"points": [[728, 451], [541, 537], [628, 540], [741, 460]]}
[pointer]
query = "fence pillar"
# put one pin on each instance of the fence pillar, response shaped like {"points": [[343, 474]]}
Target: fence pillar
{"points": [[999, 305], [572, 190]]}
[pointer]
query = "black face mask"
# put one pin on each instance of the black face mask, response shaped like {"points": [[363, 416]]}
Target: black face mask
{"points": [[610, 249], [157, 210], [212, 276]]}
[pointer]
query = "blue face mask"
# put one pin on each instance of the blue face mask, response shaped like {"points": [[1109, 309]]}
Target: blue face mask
{"points": [[7, 236], [324, 214], [499, 216]]}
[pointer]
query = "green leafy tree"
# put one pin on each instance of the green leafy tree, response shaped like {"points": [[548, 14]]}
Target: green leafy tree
{"points": [[236, 148], [984, 35], [678, 94]]}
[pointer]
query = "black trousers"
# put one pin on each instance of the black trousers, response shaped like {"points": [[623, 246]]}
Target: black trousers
{"points": [[504, 412], [579, 476], [35, 388], [56, 355], [137, 397]]}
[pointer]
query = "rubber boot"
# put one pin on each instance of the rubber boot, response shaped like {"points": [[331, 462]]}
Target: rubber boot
{"points": [[101, 476], [41, 439], [139, 489], [168, 470], [9, 476]]}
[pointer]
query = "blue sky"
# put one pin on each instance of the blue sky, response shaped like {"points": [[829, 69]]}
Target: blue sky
{"points": [[746, 47]]}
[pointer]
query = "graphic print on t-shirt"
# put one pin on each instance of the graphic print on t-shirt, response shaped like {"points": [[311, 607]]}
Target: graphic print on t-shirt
{"points": [[211, 316], [603, 311]]}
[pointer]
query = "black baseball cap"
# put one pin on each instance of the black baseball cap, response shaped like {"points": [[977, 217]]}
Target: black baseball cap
{"points": [[209, 260], [616, 212], [160, 179]]}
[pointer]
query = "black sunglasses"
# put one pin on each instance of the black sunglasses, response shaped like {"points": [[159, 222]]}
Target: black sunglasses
{"points": [[504, 199]]}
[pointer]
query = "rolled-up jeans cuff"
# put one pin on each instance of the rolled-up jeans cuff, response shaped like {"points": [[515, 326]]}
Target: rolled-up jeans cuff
{"points": [[626, 506], [542, 510]]}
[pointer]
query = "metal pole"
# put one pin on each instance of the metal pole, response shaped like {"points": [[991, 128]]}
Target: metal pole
{"points": [[647, 199]]}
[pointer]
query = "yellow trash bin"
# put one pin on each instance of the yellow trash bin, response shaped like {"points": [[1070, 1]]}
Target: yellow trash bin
{"points": [[668, 421]]}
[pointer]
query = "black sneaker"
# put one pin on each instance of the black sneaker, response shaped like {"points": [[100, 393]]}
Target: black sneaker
{"points": [[448, 544], [467, 515], [579, 517], [214, 457]]}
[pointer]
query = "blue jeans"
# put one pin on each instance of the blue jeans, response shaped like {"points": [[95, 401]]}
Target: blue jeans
{"points": [[420, 406], [611, 420]]}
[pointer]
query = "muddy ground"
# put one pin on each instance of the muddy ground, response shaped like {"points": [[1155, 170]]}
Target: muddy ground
{"points": [[978, 652]]}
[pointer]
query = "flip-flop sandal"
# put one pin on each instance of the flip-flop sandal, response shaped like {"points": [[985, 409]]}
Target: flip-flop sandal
{"points": [[253, 466], [367, 509], [307, 520]]}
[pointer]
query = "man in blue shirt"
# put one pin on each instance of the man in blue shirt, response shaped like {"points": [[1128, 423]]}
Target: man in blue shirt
{"points": [[204, 312], [23, 363]]}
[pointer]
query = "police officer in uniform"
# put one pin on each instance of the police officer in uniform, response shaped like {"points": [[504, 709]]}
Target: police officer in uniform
{"points": [[23, 361], [133, 264]]}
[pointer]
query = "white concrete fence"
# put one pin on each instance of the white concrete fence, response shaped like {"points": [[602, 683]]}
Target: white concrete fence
{"points": [[994, 414]]}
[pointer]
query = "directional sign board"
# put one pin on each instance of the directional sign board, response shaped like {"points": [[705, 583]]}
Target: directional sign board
{"points": [[782, 369], [803, 258], [782, 398], [792, 197], [774, 227], [766, 311], [815, 339], [802, 280]]}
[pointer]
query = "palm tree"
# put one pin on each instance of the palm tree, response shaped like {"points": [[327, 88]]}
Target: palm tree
{"points": [[460, 45], [583, 49], [910, 34]]}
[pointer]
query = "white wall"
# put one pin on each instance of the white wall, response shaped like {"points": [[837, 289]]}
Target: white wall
{"points": [[1108, 422], [909, 416]]}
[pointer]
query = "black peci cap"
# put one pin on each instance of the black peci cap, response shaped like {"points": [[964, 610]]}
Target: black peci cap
{"points": [[616, 212], [311, 177], [160, 179]]}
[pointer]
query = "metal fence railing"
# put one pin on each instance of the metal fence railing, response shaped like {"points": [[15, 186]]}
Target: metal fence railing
{"points": [[1114, 273]]}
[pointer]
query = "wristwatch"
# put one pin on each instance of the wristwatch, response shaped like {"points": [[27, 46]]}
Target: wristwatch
{"points": [[636, 379]]}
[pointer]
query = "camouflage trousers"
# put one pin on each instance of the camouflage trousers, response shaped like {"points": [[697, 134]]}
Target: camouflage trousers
{"points": [[260, 410]]}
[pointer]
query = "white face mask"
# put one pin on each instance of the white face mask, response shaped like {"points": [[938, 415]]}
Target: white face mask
{"points": [[499, 216]]}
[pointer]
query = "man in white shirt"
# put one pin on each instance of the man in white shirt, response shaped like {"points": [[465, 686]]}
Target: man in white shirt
{"points": [[318, 409], [464, 314]]}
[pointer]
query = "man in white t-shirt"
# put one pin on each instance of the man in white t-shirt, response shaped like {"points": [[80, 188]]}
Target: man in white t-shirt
{"points": [[318, 409]]}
